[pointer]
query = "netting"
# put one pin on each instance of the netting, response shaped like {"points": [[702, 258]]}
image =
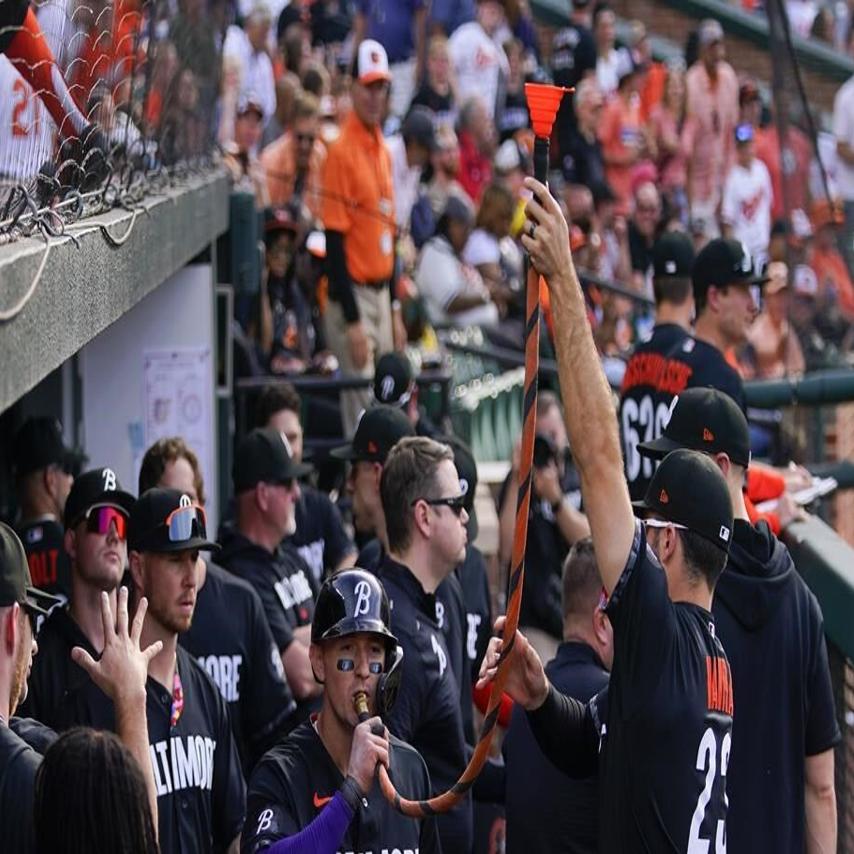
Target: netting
{"points": [[100, 101]]}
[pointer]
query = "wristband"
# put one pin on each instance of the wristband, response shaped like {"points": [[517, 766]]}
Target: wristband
{"points": [[352, 794]]}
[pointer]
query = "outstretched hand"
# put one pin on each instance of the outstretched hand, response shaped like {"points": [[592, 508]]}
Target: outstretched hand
{"points": [[122, 670], [546, 238], [526, 678]]}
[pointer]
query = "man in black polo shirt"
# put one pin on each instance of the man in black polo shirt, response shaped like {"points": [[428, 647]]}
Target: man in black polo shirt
{"points": [[318, 788], [559, 814], [642, 414], [96, 518], [320, 537], [267, 489], [425, 524], [772, 628], [44, 472], [668, 711], [229, 635]]}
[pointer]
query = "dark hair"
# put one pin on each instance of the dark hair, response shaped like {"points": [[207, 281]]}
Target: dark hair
{"points": [[703, 559], [582, 583], [409, 473], [90, 795], [273, 399], [546, 401], [675, 289], [159, 455]]}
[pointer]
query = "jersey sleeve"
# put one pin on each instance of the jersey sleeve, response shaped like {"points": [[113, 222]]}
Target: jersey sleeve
{"points": [[644, 624], [822, 729], [277, 619], [336, 191], [270, 812], [337, 544], [228, 793]]}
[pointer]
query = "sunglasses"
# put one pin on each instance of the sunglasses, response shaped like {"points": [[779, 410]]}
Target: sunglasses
{"points": [[99, 519], [184, 521], [35, 622], [456, 503], [663, 523]]}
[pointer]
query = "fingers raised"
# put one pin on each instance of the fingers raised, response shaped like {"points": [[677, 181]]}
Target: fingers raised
{"points": [[138, 619], [122, 612], [82, 658], [107, 618]]}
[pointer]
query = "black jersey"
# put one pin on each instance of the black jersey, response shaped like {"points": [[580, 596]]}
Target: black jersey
{"points": [[558, 814], [478, 604], [297, 778], [231, 640], [771, 624], [573, 57], [427, 713], [643, 414], [695, 364], [320, 537], [441, 105], [201, 793], [18, 766], [50, 566], [669, 720]]}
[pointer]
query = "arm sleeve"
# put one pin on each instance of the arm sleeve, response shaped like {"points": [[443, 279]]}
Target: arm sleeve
{"points": [[340, 284], [228, 795], [567, 734], [822, 728]]}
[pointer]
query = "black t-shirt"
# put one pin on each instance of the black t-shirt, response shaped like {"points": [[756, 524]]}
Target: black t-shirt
{"points": [[427, 713], [771, 624], [582, 161], [478, 603], [640, 250], [18, 766], [695, 364], [230, 639], [643, 416], [573, 56], [320, 538], [669, 720], [558, 814], [295, 780], [50, 566], [512, 115], [201, 794], [441, 105]]}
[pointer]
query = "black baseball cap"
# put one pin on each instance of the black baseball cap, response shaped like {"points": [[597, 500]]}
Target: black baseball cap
{"points": [[166, 520], [393, 379], [466, 468], [418, 126], [379, 429], [98, 487], [38, 444], [722, 262], [704, 419], [265, 456], [673, 255], [15, 582], [689, 489]]}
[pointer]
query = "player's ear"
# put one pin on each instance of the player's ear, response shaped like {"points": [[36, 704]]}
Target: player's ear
{"points": [[70, 543], [723, 462], [10, 619], [315, 658], [135, 561]]}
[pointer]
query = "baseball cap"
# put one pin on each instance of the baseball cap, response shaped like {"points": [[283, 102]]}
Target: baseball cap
{"points": [[710, 32], [466, 468], [748, 92], [393, 380], [673, 255], [249, 102], [278, 220], [166, 520], [744, 133], [98, 487], [689, 489], [371, 62], [38, 444], [15, 582], [704, 419], [264, 456], [508, 157], [418, 127], [722, 262], [379, 429]]}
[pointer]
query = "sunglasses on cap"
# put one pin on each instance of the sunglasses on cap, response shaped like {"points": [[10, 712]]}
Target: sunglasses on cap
{"points": [[456, 503], [100, 517], [663, 523], [186, 521]]}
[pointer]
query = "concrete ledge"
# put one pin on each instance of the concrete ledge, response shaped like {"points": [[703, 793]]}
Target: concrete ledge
{"points": [[82, 290]]}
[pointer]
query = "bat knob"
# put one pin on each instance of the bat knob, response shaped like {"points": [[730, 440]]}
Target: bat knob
{"points": [[360, 703]]}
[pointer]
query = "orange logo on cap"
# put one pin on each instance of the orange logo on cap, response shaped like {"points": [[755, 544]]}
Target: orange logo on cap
{"points": [[708, 436], [663, 497], [372, 447]]}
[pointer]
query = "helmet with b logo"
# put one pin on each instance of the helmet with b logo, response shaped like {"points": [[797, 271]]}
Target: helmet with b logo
{"points": [[353, 601]]}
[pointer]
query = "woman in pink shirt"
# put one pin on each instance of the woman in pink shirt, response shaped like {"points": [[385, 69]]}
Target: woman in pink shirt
{"points": [[665, 130]]}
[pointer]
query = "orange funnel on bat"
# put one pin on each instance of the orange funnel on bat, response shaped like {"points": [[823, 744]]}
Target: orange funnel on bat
{"points": [[543, 101]]}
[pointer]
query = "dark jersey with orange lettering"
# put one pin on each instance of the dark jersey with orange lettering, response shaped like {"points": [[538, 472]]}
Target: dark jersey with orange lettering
{"points": [[669, 720], [297, 778], [50, 566], [643, 414]]}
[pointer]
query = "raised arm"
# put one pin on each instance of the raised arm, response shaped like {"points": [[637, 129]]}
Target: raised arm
{"points": [[590, 417]]}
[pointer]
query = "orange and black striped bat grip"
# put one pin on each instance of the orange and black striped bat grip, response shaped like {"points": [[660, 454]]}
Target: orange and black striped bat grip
{"points": [[543, 102]]}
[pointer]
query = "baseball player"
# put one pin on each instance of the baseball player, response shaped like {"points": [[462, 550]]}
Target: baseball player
{"points": [[229, 635], [666, 723], [317, 790]]}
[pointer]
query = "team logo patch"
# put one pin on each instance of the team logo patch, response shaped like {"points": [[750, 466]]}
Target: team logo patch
{"points": [[724, 533], [387, 387], [464, 486], [185, 501], [663, 497], [320, 801], [109, 480], [708, 436], [372, 447], [363, 598]]}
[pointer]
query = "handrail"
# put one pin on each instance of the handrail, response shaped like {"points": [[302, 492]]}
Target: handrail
{"points": [[819, 388]]}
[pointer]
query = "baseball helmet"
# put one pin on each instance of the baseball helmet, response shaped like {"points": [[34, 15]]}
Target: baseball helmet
{"points": [[353, 601]]}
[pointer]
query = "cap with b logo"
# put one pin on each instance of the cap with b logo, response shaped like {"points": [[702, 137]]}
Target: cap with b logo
{"points": [[379, 429], [690, 490], [707, 420], [265, 456], [15, 582], [349, 602], [96, 488], [393, 379], [166, 520], [371, 63]]}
